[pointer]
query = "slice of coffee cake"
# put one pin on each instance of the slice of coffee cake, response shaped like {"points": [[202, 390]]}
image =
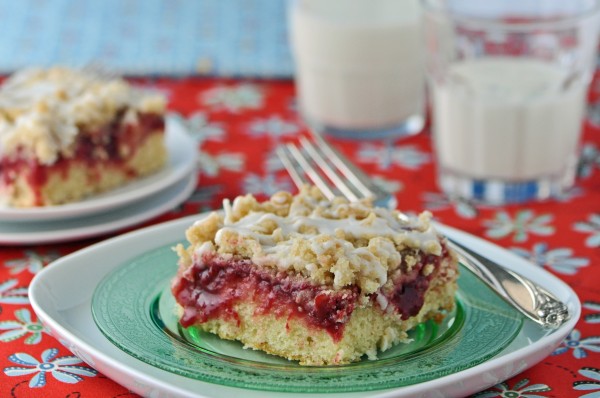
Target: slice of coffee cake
{"points": [[322, 282], [66, 134]]}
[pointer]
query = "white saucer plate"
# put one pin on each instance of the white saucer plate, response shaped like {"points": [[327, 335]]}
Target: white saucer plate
{"points": [[181, 163], [61, 295], [18, 233]]}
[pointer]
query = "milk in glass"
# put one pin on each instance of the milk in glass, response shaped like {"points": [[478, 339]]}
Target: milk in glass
{"points": [[359, 64], [513, 119]]}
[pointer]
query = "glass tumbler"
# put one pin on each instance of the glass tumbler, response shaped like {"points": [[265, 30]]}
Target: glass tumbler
{"points": [[508, 81]]}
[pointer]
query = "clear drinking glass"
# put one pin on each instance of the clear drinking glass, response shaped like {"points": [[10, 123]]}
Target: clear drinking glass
{"points": [[508, 82], [359, 66]]}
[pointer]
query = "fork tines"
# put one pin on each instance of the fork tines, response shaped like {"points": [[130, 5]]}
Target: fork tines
{"points": [[319, 163]]}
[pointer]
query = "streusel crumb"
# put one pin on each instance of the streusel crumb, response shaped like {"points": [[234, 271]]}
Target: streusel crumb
{"points": [[330, 242]]}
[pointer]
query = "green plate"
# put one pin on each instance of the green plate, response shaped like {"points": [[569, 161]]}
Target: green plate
{"points": [[134, 309]]}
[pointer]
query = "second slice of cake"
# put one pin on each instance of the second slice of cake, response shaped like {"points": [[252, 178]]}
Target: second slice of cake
{"points": [[317, 281], [66, 134]]}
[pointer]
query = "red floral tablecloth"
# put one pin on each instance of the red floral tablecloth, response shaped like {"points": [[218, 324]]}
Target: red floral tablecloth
{"points": [[237, 125]]}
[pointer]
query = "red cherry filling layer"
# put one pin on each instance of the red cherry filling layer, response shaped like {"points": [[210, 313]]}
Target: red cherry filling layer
{"points": [[209, 289], [212, 286], [409, 287]]}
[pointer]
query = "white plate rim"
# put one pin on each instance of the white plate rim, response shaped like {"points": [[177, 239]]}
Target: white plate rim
{"points": [[99, 224], [143, 378], [181, 162]]}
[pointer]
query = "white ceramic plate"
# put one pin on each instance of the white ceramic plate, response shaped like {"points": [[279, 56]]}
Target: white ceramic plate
{"points": [[182, 161], [61, 296], [18, 233]]}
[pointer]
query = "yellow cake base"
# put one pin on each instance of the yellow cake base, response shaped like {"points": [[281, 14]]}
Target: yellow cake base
{"points": [[368, 331], [82, 179]]}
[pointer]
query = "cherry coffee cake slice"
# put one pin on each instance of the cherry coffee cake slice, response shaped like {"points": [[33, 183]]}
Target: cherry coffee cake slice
{"points": [[317, 281], [66, 134]]}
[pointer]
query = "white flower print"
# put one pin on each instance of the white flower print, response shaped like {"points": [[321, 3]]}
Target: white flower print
{"points": [[585, 385], [273, 126], [519, 390], [22, 326], [267, 185], [200, 128], [32, 262], [560, 259], [407, 156], [233, 98], [388, 185], [211, 165], [579, 346], [525, 223], [438, 201], [272, 162], [64, 369], [592, 226]]}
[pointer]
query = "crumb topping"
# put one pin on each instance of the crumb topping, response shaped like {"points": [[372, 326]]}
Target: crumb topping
{"points": [[43, 110], [336, 242]]}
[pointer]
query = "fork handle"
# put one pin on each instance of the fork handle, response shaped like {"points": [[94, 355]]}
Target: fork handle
{"points": [[528, 297]]}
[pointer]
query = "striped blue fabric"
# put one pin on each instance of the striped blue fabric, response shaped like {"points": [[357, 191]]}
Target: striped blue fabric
{"points": [[148, 37]]}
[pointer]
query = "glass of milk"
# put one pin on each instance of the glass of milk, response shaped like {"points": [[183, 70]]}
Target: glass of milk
{"points": [[359, 66], [508, 82]]}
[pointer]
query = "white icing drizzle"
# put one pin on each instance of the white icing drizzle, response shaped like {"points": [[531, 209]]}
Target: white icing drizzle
{"points": [[249, 227], [353, 243]]}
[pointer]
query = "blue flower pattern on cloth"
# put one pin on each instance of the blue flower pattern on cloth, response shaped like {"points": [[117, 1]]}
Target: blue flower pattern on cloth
{"points": [[586, 385], [267, 185], [521, 389], [200, 128], [579, 346], [274, 126], [22, 326], [235, 98], [524, 223], [211, 165], [438, 201], [272, 162], [407, 156], [560, 259], [588, 160], [390, 186], [32, 262], [10, 294], [592, 227], [594, 317], [64, 369]]}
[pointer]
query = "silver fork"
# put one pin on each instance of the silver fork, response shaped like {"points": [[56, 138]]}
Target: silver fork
{"points": [[335, 175], [323, 165]]}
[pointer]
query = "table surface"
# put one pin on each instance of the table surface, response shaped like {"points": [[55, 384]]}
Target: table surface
{"points": [[237, 124]]}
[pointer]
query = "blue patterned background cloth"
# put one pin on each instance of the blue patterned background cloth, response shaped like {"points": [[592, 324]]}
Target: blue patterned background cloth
{"points": [[148, 37]]}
